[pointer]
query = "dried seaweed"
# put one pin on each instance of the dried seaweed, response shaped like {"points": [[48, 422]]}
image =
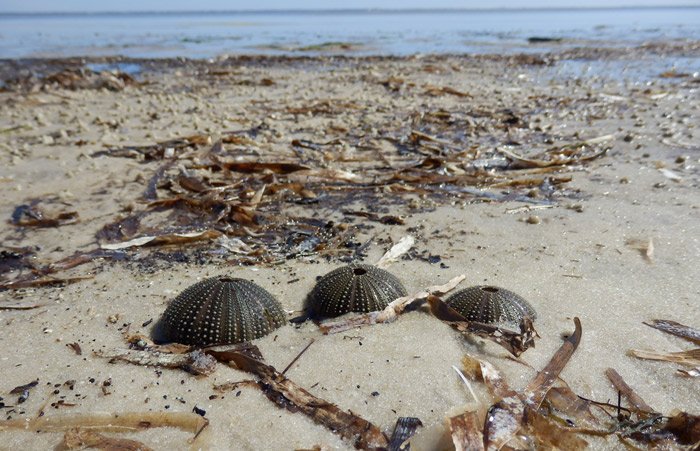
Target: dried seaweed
{"points": [[685, 427], [466, 432], [644, 246], [627, 391], [516, 411], [73, 78], [391, 311], [676, 329], [550, 435], [288, 395], [565, 400], [22, 388], [514, 342], [690, 357], [21, 307], [397, 250], [403, 430], [166, 238], [13, 258], [195, 362], [30, 215], [114, 422], [77, 438], [39, 277], [545, 378], [209, 190]]}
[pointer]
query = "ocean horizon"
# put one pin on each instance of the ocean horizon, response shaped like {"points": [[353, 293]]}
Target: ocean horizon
{"points": [[211, 34]]}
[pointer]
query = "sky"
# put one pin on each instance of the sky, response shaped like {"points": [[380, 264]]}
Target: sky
{"points": [[203, 5]]}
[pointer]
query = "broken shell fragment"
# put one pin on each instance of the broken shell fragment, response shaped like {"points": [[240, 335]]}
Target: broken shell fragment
{"points": [[220, 310], [489, 304], [354, 288]]}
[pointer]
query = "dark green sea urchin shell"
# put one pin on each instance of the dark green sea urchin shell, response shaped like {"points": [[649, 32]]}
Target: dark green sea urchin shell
{"points": [[488, 304], [220, 310], [354, 288]]}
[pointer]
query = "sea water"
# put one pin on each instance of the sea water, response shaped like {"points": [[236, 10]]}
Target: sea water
{"points": [[365, 32]]}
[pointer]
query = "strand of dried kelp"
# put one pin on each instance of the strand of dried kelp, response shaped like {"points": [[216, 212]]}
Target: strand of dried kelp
{"points": [[274, 384], [518, 411], [391, 311], [290, 396], [514, 342], [521, 415], [189, 186], [114, 422], [690, 357], [40, 277]]}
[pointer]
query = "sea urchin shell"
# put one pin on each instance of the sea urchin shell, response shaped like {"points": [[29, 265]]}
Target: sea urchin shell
{"points": [[220, 310], [354, 288], [488, 304]]}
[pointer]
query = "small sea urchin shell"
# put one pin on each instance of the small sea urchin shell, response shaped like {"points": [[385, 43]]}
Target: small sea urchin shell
{"points": [[220, 310], [488, 304], [354, 288]]}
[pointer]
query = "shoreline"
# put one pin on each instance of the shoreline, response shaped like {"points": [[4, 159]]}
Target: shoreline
{"points": [[499, 169]]}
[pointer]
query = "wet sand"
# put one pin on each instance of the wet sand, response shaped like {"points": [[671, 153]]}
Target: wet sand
{"points": [[429, 141]]}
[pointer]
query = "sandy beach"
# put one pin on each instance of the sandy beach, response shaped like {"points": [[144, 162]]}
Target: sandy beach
{"points": [[581, 194]]}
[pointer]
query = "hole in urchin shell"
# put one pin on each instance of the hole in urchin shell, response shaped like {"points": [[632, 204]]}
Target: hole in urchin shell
{"points": [[226, 279], [359, 271], [490, 289]]}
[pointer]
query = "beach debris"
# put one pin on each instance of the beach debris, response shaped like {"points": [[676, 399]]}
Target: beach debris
{"points": [[220, 310], [30, 215], [75, 346], [544, 380], [195, 361], [695, 372], [172, 148], [403, 430], [288, 395], [440, 90], [689, 357], [644, 246], [516, 418], [354, 288], [294, 360], [566, 401], [489, 304], [111, 422], [685, 427], [669, 174], [21, 307], [391, 311], [622, 387], [40, 277], [73, 78], [23, 391], [386, 219], [78, 438], [166, 238], [13, 258], [514, 342], [397, 250], [560, 156], [677, 329], [466, 432]]}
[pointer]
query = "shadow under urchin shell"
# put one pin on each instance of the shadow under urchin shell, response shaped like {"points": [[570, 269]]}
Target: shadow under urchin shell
{"points": [[489, 304], [220, 310], [353, 288]]}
